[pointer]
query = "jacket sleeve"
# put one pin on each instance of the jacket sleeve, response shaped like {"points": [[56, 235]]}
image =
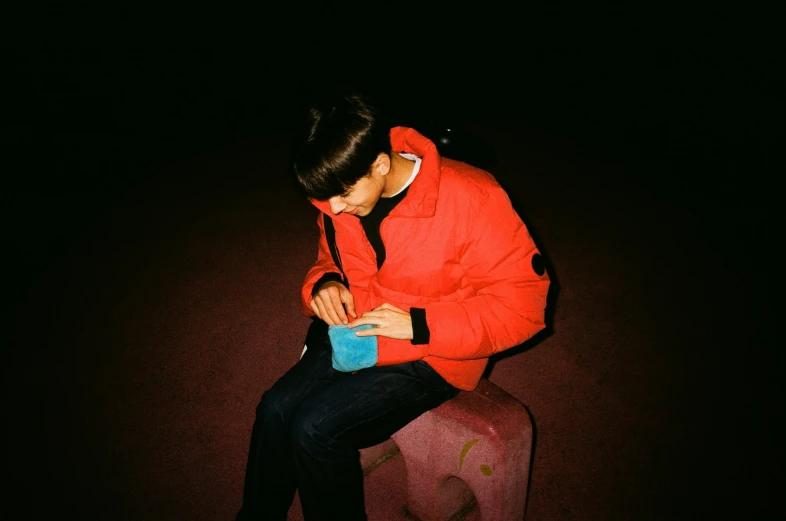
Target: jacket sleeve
{"points": [[508, 275], [323, 267]]}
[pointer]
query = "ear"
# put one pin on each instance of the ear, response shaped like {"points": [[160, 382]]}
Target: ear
{"points": [[382, 164]]}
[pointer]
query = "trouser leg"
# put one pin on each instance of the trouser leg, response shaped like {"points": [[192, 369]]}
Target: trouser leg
{"points": [[329, 427], [271, 476]]}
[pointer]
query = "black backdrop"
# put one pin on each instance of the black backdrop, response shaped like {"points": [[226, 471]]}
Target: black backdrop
{"points": [[98, 95]]}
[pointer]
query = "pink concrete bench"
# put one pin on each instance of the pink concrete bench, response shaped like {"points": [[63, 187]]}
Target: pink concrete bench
{"points": [[472, 450]]}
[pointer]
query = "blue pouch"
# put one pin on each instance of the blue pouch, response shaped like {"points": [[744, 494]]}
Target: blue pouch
{"points": [[350, 352]]}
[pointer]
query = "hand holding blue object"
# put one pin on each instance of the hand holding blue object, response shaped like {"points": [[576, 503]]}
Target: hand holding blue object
{"points": [[352, 352]]}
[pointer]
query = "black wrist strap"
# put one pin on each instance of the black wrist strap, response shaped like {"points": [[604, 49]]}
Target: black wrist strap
{"points": [[420, 331]]}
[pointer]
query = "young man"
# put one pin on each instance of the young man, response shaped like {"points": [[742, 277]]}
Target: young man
{"points": [[428, 251]]}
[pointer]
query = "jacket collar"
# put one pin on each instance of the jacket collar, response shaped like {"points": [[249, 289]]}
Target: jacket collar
{"points": [[422, 194]]}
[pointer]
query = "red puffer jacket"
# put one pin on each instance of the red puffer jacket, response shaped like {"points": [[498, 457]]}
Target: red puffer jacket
{"points": [[456, 248]]}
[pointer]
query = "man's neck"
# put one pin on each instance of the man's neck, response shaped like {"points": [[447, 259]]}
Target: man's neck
{"points": [[400, 171]]}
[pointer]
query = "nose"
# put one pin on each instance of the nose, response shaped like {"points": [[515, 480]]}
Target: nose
{"points": [[337, 205]]}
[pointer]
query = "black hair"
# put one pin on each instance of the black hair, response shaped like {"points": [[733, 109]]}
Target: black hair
{"points": [[343, 134]]}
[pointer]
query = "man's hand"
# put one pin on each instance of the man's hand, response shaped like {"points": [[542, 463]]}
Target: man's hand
{"points": [[391, 322], [329, 301]]}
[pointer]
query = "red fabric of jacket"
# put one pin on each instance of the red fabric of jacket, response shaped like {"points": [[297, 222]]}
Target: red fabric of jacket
{"points": [[456, 247]]}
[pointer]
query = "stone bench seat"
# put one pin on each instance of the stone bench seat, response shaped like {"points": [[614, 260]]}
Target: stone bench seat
{"points": [[474, 449]]}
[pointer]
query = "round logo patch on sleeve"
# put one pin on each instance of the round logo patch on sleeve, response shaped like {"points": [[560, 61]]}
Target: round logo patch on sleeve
{"points": [[538, 264]]}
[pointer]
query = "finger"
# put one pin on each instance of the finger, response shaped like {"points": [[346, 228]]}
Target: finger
{"points": [[383, 314], [389, 307], [326, 300], [333, 313], [374, 331], [349, 300], [315, 308], [376, 312], [363, 321], [355, 323], [325, 312], [320, 308], [330, 297], [338, 306]]}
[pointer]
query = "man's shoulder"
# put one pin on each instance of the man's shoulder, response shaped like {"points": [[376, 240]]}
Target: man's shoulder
{"points": [[468, 180]]}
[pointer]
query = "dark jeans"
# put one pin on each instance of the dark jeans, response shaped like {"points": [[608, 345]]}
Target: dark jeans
{"points": [[311, 424]]}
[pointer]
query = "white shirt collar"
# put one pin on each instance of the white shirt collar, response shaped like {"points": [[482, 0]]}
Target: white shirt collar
{"points": [[415, 170]]}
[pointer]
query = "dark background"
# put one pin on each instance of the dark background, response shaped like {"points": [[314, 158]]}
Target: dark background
{"points": [[100, 101], [99, 95]]}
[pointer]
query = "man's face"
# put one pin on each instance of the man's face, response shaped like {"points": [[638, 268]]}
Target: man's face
{"points": [[364, 195], [361, 198]]}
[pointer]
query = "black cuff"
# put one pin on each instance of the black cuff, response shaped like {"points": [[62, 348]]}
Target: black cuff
{"points": [[420, 333], [327, 277]]}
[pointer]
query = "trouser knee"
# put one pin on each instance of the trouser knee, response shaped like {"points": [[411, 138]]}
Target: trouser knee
{"points": [[307, 437], [271, 409]]}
